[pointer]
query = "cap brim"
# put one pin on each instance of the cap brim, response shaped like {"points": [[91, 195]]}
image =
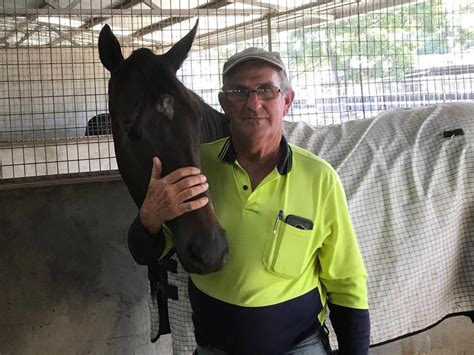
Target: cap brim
{"points": [[255, 57]]}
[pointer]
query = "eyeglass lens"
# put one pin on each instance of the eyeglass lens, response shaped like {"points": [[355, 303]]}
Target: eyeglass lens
{"points": [[263, 93]]}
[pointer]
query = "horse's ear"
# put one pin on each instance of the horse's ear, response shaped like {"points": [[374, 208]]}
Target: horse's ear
{"points": [[178, 53], [109, 49]]}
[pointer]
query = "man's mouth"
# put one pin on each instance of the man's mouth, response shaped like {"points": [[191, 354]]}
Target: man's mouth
{"points": [[254, 118]]}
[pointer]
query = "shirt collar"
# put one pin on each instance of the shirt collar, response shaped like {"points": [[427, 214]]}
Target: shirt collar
{"points": [[227, 154]]}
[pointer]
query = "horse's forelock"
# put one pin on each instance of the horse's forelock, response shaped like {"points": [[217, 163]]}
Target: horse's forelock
{"points": [[161, 83]]}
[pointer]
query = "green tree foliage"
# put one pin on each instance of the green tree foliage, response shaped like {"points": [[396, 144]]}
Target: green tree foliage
{"points": [[379, 44]]}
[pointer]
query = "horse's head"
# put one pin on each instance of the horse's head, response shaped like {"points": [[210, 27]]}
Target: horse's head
{"points": [[153, 114]]}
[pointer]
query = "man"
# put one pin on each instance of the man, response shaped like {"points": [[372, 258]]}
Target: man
{"points": [[292, 247]]}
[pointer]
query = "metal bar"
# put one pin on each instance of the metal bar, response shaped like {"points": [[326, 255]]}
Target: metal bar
{"points": [[263, 4], [72, 4], [26, 36], [367, 6], [155, 27], [170, 21], [269, 32], [129, 4], [32, 19], [131, 12], [151, 4], [29, 20], [64, 36], [223, 37], [53, 4]]}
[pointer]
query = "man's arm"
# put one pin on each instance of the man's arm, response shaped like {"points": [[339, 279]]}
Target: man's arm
{"points": [[145, 248], [167, 198], [352, 327], [343, 274]]}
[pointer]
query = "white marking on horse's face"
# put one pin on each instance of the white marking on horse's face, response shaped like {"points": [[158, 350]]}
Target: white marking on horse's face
{"points": [[165, 106]]}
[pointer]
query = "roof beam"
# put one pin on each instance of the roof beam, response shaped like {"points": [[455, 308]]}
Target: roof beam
{"points": [[26, 36], [241, 31], [131, 12], [53, 4], [262, 4], [131, 3], [31, 19], [73, 4], [227, 36], [92, 21], [64, 36], [313, 13], [216, 4], [224, 33], [364, 7]]}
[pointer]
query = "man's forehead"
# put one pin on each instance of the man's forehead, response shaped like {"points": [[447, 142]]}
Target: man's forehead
{"points": [[254, 76]]}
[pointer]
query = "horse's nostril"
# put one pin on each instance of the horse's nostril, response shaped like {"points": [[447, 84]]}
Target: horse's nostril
{"points": [[196, 256]]}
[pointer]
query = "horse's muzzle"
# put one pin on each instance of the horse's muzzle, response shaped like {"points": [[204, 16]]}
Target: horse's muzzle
{"points": [[206, 255]]}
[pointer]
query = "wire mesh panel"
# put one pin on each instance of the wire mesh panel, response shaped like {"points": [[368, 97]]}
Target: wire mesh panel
{"points": [[346, 60]]}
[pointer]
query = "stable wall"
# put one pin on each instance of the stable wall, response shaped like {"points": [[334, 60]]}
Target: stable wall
{"points": [[68, 284]]}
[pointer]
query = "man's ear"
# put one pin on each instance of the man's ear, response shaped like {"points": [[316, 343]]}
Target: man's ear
{"points": [[289, 96]]}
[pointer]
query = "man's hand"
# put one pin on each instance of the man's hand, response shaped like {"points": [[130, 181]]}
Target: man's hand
{"points": [[167, 197]]}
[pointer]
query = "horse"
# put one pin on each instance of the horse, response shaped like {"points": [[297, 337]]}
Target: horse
{"points": [[154, 114]]}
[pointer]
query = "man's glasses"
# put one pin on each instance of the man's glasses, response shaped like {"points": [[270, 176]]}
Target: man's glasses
{"points": [[263, 93]]}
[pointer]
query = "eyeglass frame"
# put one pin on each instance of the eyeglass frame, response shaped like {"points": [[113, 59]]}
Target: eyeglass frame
{"points": [[277, 92]]}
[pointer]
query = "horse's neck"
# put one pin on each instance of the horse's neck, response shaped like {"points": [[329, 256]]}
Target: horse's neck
{"points": [[214, 125]]}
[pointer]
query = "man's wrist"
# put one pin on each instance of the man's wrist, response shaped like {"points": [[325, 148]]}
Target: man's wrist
{"points": [[152, 229]]}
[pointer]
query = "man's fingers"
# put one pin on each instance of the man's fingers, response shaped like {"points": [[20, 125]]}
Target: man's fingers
{"points": [[181, 173], [189, 181], [156, 169], [194, 204], [191, 192]]}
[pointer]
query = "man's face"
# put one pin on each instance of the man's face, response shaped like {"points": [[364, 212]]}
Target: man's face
{"points": [[254, 118]]}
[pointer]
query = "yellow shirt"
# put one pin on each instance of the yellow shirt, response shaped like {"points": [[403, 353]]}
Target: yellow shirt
{"points": [[270, 261]]}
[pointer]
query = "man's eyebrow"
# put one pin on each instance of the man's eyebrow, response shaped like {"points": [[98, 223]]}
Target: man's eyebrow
{"points": [[236, 86]]}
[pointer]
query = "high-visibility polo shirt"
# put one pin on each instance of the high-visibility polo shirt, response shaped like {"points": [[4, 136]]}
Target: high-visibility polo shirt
{"points": [[272, 263]]}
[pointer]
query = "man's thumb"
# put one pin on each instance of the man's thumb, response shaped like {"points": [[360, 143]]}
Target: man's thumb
{"points": [[157, 169]]}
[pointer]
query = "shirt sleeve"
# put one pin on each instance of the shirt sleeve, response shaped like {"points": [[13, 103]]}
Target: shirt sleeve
{"points": [[352, 327], [342, 270], [144, 247], [343, 274]]}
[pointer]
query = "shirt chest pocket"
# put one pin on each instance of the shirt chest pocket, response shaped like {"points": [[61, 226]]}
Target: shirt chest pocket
{"points": [[288, 251]]}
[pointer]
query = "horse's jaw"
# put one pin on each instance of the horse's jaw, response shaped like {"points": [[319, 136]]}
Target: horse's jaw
{"points": [[201, 245]]}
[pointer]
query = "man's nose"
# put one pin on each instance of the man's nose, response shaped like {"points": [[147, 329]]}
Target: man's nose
{"points": [[253, 101]]}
